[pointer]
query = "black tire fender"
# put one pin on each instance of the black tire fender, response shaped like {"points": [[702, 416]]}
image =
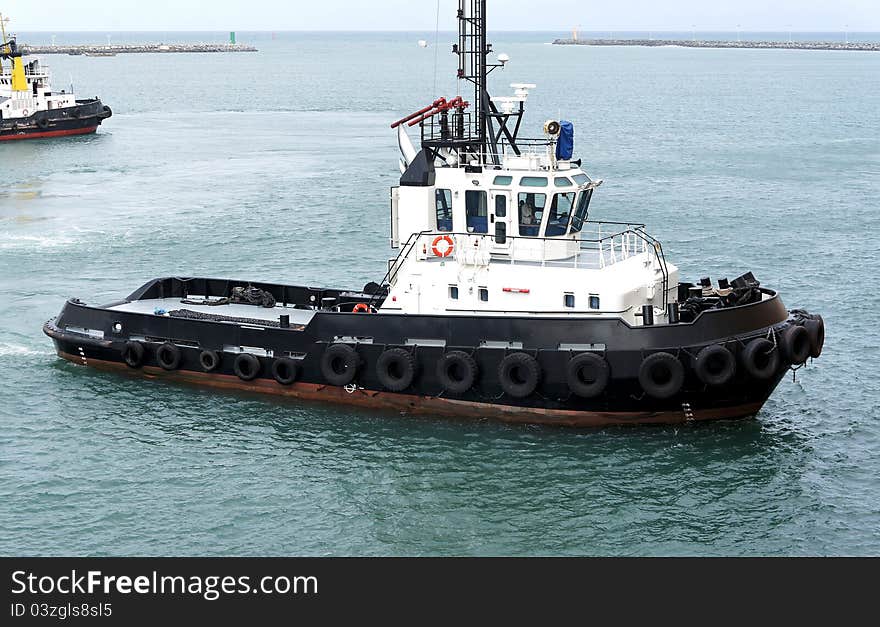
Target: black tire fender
{"points": [[168, 355], [795, 343], [285, 370], [760, 358], [133, 354], [396, 369], [661, 375], [715, 365], [210, 360], [816, 330], [247, 366], [457, 372], [519, 374], [339, 364], [587, 374]]}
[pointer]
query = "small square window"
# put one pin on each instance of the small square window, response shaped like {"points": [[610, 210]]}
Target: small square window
{"points": [[453, 292], [569, 300], [594, 301], [484, 294]]}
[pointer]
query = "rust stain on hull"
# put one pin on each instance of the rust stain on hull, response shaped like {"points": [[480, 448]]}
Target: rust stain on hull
{"points": [[424, 405]]}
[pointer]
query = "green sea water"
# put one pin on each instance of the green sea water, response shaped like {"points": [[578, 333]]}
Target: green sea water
{"points": [[276, 166]]}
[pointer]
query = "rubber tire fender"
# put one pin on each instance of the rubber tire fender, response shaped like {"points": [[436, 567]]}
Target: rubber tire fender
{"points": [[715, 365], [795, 343], [519, 374], [168, 355], [210, 360], [816, 330], [661, 375], [597, 372], [43, 122], [285, 370], [457, 372], [392, 362], [133, 354], [339, 355], [246, 366], [760, 359]]}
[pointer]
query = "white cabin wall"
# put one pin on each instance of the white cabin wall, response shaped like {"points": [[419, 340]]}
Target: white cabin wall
{"points": [[414, 206]]}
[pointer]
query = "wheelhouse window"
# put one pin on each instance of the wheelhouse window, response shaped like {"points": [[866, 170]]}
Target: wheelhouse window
{"points": [[560, 214], [531, 211], [477, 214], [443, 202], [581, 213], [503, 180], [562, 181], [581, 179], [533, 181]]}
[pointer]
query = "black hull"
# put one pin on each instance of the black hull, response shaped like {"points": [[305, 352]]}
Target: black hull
{"points": [[81, 119], [623, 401]]}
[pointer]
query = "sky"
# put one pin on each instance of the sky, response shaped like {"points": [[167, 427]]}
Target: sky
{"points": [[420, 15]]}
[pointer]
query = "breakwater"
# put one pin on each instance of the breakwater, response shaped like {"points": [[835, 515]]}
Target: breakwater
{"points": [[110, 50], [705, 43]]}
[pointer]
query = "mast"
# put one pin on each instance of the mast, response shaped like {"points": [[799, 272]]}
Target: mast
{"points": [[488, 126], [9, 50], [476, 138]]}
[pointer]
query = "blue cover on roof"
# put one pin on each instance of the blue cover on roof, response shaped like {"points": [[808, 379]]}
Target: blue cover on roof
{"points": [[565, 143]]}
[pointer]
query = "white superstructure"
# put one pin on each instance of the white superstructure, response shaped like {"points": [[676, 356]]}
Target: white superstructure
{"points": [[515, 238], [28, 90]]}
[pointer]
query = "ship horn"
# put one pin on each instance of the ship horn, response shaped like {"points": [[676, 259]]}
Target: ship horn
{"points": [[406, 148]]}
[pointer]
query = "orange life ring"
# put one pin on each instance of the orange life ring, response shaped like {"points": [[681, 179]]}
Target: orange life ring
{"points": [[361, 308], [450, 246], [24, 112]]}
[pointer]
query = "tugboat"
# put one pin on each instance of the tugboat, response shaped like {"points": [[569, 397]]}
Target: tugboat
{"points": [[29, 109], [504, 301]]}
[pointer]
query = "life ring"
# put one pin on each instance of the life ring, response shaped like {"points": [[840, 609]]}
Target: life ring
{"points": [[210, 360], [457, 372], [396, 369], [24, 112], [168, 356], [795, 344], [285, 370], [760, 358], [661, 375], [816, 330], [361, 308], [246, 366], [519, 374], [447, 250], [587, 375], [339, 364], [133, 354], [715, 365]]}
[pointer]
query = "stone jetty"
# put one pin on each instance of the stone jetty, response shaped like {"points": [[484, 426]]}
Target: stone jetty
{"points": [[114, 49], [702, 43]]}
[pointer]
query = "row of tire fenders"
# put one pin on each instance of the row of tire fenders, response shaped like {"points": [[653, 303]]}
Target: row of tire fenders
{"points": [[661, 374]]}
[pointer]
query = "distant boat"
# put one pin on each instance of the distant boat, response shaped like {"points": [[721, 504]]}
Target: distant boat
{"points": [[97, 54], [30, 109]]}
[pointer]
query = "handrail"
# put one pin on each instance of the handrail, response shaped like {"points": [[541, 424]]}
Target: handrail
{"points": [[637, 230], [395, 266]]}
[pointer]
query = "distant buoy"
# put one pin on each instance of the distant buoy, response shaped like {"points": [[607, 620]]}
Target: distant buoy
{"points": [[423, 43]]}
